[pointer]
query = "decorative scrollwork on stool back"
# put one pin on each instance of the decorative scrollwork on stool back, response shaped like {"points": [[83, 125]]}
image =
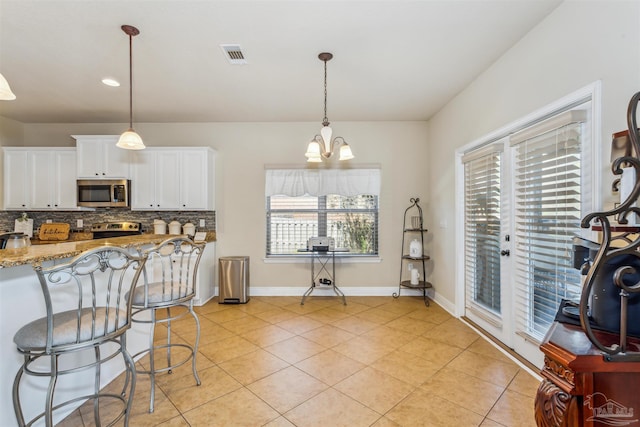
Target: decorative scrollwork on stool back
{"points": [[624, 259]]}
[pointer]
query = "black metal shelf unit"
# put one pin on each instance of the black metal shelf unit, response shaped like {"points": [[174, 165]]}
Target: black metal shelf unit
{"points": [[412, 229]]}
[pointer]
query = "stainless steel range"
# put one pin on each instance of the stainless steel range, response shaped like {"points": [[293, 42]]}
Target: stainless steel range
{"points": [[103, 230]]}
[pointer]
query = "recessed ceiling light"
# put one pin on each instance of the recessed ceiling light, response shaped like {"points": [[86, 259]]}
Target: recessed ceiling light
{"points": [[111, 82]]}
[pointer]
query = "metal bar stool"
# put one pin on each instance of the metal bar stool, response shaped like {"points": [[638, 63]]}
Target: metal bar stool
{"points": [[169, 280], [87, 316]]}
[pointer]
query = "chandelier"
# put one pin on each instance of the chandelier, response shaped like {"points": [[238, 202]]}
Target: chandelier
{"points": [[130, 140], [322, 146]]}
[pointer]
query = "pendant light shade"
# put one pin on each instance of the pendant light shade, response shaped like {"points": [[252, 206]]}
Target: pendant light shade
{"points": [[5, 90], [130, 140], [322, 146]]}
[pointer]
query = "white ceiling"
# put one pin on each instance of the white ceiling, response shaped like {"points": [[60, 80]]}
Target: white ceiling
{"points": [[393, 60]]}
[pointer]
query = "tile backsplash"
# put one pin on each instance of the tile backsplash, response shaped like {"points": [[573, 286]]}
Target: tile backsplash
{"points": [[146, 218]]}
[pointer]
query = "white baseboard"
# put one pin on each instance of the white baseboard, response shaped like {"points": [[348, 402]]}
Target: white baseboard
{"points": [[374, 291]]}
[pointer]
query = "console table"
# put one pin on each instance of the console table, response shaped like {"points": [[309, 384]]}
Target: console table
{"points": [[580, 388], [323, 259]]}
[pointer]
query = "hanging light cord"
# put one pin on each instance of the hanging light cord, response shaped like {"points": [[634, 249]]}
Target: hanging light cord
{"points": [[130, 81], [325, 121], [130, 31]]}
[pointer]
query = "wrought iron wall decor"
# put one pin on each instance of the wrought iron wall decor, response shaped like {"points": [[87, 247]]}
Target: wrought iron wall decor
{"points": [[617, 262]]}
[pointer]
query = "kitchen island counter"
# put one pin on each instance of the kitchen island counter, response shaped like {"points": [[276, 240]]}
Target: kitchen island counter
{"points": [[21, 302], [37, 254]]}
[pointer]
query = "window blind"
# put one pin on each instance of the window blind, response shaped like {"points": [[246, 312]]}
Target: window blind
{"points": [[547, 169], [482, 230]]}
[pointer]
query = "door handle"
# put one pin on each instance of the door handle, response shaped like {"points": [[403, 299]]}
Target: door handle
{"points": [[505, 252]]}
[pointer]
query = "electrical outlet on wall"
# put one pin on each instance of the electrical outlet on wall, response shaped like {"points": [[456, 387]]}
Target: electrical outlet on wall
{"points": [[202, 223], [79, 223], [49, 221]]}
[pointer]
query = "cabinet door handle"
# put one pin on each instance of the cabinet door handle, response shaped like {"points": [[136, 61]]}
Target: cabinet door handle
{"points": [[505, 252], [97, 174]]}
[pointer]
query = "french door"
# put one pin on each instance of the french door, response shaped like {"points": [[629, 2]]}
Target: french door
{"points": [[524, 197], [487, 242]]}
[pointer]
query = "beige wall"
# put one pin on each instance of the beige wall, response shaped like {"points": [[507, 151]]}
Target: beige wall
{"points": [[11, 133], [579, 43], [400, 148]]}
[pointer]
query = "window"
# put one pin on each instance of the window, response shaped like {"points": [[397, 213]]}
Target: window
{"points": [[351, 221], [483, 219], [342, 204], [548, 208]]}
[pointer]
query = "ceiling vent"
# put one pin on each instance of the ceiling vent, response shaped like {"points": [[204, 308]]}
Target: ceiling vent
{"points": [[233, 53]]}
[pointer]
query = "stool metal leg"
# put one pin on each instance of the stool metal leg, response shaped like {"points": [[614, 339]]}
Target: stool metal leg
{"points": [[195, 347], [17, 407], [96, 386], [152, 364], [130, 368], [169, 339]]}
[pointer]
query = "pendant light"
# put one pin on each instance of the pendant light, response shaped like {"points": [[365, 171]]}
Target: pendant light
{"points": [[322, 146], [5, 90], [130, 140]]}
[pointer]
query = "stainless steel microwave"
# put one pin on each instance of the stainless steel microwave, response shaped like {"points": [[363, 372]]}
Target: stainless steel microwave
{"points": [[100, 193]]}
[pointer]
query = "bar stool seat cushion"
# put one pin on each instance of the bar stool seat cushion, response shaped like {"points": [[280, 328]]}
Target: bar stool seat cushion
{"points": [[158, 294], [33, 336]]}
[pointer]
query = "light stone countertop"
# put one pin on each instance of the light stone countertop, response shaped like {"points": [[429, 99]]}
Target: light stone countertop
{"points": [[37, 254]]}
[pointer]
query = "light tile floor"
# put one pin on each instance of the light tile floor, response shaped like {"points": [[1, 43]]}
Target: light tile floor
{"points": [[376, 362]]}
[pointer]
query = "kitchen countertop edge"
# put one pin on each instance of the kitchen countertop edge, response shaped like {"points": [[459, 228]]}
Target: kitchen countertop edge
{"points": [[37, 254]]}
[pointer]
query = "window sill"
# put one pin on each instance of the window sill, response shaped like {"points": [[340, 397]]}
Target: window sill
{"points": [[343, 259]]}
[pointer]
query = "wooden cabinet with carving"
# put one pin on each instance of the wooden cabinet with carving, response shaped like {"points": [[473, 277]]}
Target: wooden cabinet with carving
{"points": [[580, 387]]}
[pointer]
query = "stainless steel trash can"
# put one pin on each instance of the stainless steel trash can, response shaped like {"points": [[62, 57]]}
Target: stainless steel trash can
{"points": [[233, 280]]}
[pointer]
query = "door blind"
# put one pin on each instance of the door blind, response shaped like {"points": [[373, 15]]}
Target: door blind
{"points": [[547, 170], [482, 231]]}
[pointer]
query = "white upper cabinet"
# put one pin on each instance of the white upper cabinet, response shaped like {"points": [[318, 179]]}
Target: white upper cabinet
{"points": [[154, 180], [172, 179], [99, 158], [40, 178], [53, 174], [197, 179], [16, 179]]}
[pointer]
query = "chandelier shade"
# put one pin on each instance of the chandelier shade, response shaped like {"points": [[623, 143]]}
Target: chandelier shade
{"points": [[130, 140], [5, 91], [323, 145]]}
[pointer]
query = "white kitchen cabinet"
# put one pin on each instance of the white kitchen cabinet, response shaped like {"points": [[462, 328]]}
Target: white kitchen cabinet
{"points": [[172, 179], [53, 179], [154, 180], [16, 179], [39, 178], [99, 158], [205, 281], [197, 168]]}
